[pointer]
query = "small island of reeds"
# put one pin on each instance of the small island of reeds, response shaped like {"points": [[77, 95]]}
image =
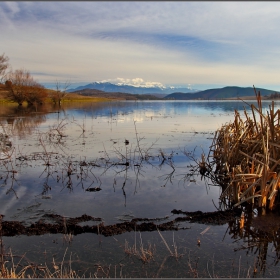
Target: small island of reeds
{"points": [[244, 159]]}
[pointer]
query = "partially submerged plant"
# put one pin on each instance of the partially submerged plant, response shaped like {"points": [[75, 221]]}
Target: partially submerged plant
{"points": [[175, 253], [244, 158], [144, 254]]}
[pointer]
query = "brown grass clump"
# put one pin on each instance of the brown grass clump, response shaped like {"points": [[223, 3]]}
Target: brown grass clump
{"points": [[16, 270], [246, 157], [144, 254], [3, 93]]}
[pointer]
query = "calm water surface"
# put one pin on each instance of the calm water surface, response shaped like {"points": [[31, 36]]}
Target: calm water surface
{"points": [[94, 142]]}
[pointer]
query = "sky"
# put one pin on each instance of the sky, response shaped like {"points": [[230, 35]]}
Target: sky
{"points": [[195, 44]]}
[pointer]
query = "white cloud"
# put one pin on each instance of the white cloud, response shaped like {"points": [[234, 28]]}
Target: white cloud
{"points": [[137, 82], [12, 7], [166, 42]]}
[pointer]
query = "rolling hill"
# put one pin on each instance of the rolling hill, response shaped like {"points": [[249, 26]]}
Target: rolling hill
{"points": [[220, 93], [109, 87]]}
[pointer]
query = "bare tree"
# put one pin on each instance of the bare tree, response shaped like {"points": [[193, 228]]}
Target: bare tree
{"points": [[15, 84], [3, 66], [60, 92], [22, 87], [36, 94]]}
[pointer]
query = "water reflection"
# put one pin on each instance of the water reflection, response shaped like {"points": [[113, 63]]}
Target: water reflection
{"points": [[21, 121], [260, 236], [157, 108], [5, 146], [117, 160]]}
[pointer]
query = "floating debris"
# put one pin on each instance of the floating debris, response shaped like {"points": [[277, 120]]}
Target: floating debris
{"points": [[205, 231], [93, 189]]}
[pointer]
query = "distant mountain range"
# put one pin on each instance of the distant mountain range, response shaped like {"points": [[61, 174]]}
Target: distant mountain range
{"points": [[220, 93], [173, 93], [109, 87]]}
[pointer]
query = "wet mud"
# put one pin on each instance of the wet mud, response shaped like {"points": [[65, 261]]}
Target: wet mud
{"points": [[56, 224], [215, 218]]}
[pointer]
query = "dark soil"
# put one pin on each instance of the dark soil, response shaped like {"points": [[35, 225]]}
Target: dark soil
{"points": [[62, 225], [217, 217]]}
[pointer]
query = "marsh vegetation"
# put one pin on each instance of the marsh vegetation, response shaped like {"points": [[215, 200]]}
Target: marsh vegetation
{"points": [[118, 190]]}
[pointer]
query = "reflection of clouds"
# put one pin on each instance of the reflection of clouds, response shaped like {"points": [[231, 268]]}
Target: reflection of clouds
{"points": [[138, 119], [172, 127], [173, 122], [149, 114], [8, 202], [165, 120]]}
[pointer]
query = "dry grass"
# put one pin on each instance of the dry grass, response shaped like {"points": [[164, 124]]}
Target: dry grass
{"points": [[3, 93], [144, 254], [12, 270], [172, 254], [71, 97], [245, 154]]}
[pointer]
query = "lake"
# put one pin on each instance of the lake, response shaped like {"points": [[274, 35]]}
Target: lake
{"points": [[119, 167]]}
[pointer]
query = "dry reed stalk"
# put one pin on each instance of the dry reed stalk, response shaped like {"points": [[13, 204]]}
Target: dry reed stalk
{"points": [[247, 152], [204, 231], [144, 254], [165, 243], [175, 254]]}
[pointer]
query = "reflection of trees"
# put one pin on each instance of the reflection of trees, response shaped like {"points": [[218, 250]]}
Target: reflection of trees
{"points": [[5, 146], [23, 120], [10, 179]]}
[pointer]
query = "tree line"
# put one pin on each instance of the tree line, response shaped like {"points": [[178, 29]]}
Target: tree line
{"points": [[275, 95], [21, 86]]}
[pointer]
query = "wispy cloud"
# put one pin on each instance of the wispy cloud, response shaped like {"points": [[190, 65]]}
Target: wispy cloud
{"points": [[161, 42]]}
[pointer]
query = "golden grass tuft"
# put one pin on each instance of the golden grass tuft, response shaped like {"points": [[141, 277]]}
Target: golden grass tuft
{"points": [[246, 156], [11, 270], [144, 254]]}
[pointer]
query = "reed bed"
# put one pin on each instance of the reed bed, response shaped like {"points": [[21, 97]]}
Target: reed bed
{"points": [[245, 158]]}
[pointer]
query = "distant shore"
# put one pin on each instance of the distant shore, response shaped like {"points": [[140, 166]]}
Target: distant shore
{"points": [[117, 96]]}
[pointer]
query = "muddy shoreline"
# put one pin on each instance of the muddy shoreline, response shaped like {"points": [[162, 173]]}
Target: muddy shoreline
{"points": [[62, 225]]}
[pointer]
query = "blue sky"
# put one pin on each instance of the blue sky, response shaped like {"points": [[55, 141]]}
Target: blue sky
{"points": [[202, 44]]}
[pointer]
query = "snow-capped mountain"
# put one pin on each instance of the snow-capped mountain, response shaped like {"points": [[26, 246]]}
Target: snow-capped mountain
{"points": [[109, 87]]}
